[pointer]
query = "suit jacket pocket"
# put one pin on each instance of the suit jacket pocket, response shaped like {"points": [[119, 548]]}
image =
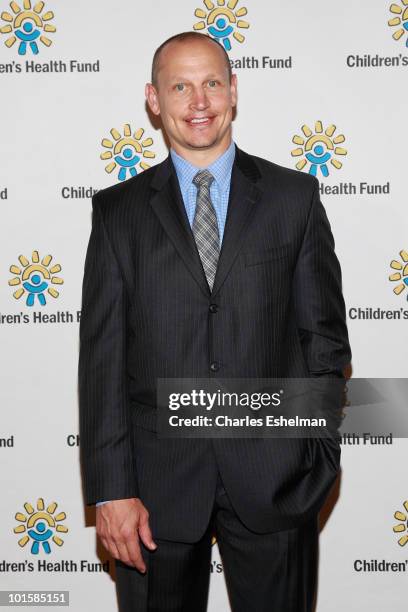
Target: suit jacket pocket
{"points": [[259, 256]]}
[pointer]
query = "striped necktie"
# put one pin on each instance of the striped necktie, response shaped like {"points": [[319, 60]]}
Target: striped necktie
{"points": [[205, 226]]}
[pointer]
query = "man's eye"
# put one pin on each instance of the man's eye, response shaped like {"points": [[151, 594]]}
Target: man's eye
{"points": [[212, 83], [180, 86]]}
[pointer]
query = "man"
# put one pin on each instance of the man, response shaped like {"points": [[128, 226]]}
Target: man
{"points": [[213, 263]]}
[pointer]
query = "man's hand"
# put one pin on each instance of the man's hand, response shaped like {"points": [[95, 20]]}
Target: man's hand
{"points": [[120, 523]]}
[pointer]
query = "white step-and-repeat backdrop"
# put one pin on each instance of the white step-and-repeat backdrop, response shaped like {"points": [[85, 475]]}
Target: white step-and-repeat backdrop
{"points": [[323, 88]]}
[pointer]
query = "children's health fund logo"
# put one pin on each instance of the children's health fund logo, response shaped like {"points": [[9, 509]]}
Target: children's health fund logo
{"points": [[34, 279], [400, 274], [402, 527], [40, 526], [222, 20], [319, 149], [400, 21], [27, 25], [126, 152]]}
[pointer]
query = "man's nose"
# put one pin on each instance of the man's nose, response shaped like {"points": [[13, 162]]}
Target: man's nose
{"points": [[199, 98]]}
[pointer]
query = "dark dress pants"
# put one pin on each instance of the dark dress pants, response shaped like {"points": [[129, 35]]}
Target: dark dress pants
{"points": [[273, 572]]}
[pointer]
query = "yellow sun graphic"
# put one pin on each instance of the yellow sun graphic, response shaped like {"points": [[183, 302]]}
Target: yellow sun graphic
{"points": [[401, 276], [318, 148], [222, 20], [403, 526], [40, 526], [400, 20], [35, 278], [27, 25], [127, 151]]}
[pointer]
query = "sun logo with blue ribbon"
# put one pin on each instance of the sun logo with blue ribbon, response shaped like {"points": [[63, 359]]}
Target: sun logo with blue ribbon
{"points": [[318, 149], [400, 21], [28, 26], [40, 526], [34, 279], [400, 275], [402, 526], [127, 152], [222, 21]]}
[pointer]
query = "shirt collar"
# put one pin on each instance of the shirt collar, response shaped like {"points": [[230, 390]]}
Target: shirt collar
{"points": [[221, 169]]}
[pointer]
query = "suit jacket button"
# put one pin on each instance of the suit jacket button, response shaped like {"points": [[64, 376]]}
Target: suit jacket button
{"points": [[215, 366], [213, 308]]}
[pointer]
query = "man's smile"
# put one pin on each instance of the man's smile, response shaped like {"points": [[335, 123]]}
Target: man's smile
{"points": [[199, 122]]}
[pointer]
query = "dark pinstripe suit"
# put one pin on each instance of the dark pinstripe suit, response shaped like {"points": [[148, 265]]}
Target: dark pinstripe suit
{"points": [[145, 314]]}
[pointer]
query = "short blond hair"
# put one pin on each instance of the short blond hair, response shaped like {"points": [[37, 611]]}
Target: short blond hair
{"points": [[181, 38]]}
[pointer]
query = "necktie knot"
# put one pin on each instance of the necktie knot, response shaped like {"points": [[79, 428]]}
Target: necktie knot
{"points": [[203, 178]]}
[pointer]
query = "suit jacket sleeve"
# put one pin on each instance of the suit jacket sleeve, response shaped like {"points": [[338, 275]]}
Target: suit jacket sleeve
{"points": [[319, 303], [105, 431]]}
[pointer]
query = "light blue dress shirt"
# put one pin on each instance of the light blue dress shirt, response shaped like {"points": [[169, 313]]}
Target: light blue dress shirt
{"points": [[221, 170]]}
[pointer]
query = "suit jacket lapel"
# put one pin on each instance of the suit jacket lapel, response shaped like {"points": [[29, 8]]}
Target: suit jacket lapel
{"points": [[168, 205], [244, 195]]}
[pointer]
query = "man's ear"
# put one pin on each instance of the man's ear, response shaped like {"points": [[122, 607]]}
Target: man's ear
{"points": [[234, 89], [152, 98]]}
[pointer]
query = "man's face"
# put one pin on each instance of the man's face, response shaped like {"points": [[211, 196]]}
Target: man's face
{"points": [[193, 96]]}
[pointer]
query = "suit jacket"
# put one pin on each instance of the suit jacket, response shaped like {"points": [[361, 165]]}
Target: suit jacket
{"points": [[276, 311]]}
